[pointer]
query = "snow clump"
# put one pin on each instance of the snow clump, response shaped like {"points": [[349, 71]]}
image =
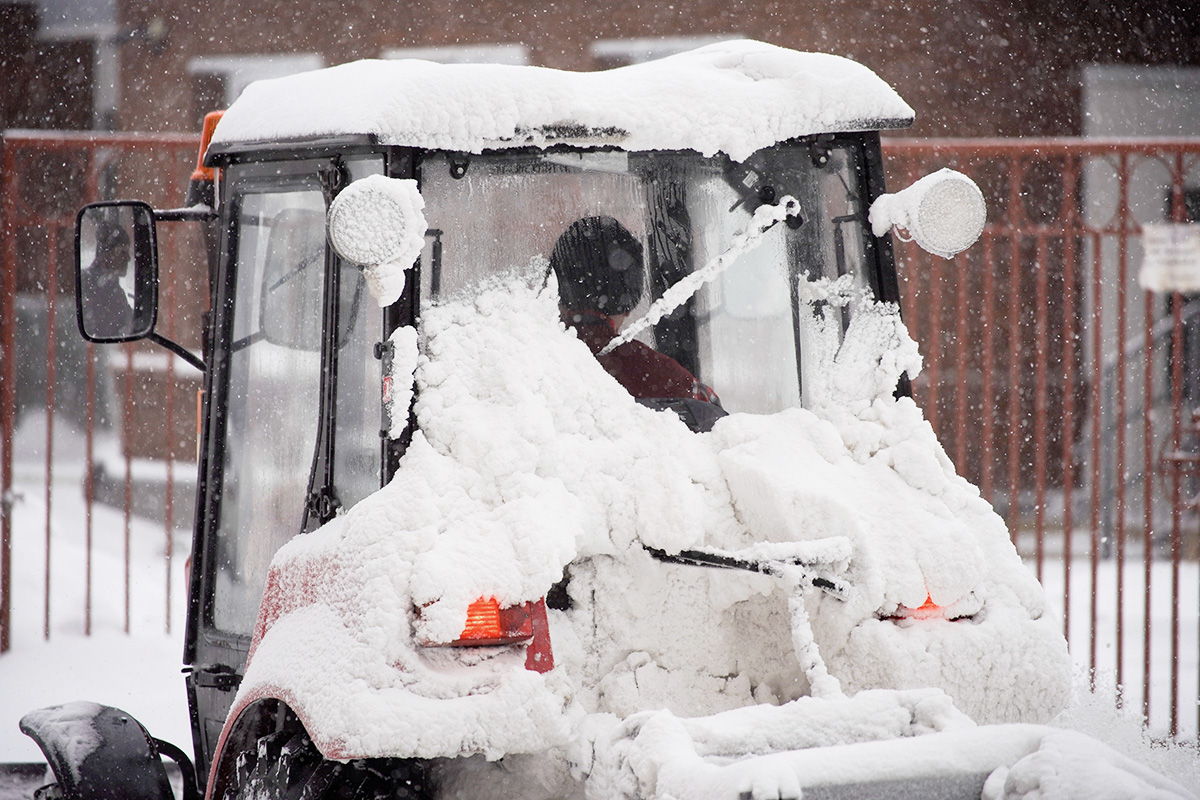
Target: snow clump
{"points": [[377, 222]]}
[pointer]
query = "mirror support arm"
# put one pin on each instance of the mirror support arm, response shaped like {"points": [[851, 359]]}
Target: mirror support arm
{"points": [[190, 214], [177, 349], [197, 213]]}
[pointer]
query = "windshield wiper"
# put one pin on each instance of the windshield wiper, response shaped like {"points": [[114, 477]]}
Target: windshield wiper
{"points": [[765, 218]]}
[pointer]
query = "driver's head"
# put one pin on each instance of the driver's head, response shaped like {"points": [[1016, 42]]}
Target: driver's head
{"points": [[112, 248], [599, 266]]}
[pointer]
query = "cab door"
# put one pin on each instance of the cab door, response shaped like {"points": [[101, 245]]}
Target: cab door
{"points": [[292, 433]]}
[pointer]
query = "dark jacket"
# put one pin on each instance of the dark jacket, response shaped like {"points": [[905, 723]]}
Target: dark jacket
{"points": [[644, 372]]}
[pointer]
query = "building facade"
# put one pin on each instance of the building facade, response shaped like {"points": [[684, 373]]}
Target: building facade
{"points": [[981, 68]]}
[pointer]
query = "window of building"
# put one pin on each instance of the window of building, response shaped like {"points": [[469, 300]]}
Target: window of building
{"points": [[218, 80], [609, 53], [514, 54]]}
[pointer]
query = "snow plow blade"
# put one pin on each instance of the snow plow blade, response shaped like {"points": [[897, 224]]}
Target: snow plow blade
{"points": [[101, 753], [946, 787], [691, 758], [949, 765]]}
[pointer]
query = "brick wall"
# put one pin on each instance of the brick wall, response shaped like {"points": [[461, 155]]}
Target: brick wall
{"points": [[987, 68], [46, 84]]}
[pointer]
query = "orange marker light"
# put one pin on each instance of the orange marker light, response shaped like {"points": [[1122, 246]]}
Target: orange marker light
{"points": [[202, 172], [489, 624], [483, 621], [927, 610]]}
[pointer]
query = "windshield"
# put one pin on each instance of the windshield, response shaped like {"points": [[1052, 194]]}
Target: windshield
{"points": [[668, 215]]}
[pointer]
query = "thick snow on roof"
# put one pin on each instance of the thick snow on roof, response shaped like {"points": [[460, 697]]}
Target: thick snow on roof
{"points": [[734, 97]]}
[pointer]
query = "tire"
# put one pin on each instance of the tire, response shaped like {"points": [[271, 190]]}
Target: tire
{"points": [[287, 766]]}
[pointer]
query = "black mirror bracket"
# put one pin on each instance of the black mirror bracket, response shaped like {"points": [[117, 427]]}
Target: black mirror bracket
{"points": [[178, 349], [196, 213]]}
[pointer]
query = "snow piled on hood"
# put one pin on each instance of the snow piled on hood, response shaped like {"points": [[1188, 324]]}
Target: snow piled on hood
{"points": [[710, 100], [531, 460]]}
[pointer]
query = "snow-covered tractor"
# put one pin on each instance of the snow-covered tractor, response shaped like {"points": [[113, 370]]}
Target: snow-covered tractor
{"points": [[557, 442]]}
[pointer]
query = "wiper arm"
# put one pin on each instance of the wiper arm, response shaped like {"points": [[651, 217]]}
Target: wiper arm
{"points": [[809, 566], [765, 218]]}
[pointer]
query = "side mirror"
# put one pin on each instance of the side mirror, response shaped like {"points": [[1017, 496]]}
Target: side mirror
{"points": [[377, 222], [944, 212], [116, 271]]}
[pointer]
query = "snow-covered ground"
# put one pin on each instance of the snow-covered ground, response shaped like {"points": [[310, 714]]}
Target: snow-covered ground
{"points": [[139, 671]]}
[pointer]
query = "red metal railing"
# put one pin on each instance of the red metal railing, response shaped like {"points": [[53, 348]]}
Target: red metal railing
{"points": [[1064, 390], [1059, 387], [44, 178]]}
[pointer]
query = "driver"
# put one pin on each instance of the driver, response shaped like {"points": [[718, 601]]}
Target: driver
{"points": [[600, 280], [106, 308]]}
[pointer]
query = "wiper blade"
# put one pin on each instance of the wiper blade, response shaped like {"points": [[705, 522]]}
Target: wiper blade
{"points": [[765, 218]]}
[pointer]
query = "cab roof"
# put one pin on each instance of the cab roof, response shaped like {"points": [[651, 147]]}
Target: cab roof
{"points": [[733, 97]]}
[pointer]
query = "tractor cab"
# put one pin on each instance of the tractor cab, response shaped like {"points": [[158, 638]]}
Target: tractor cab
{"points": [[302, 418]]}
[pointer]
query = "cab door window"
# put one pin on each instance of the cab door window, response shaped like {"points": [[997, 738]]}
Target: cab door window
{"points": [[274, 383], [303, 407]]}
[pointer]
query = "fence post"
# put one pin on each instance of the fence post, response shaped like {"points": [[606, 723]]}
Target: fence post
{"points": [[8, 401]]}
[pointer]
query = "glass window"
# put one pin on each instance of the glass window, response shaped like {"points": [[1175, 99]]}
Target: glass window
{"points": [[283, 373], [741, 333], [358, 453], [274, 385], [507, 211]]}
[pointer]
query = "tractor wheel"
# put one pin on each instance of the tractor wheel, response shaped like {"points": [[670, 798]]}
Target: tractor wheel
{"points": [[287, 766]]}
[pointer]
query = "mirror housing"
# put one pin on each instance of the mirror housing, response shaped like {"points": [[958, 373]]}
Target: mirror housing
{"points": [[944, 212], [377, 223], [111, 237]]}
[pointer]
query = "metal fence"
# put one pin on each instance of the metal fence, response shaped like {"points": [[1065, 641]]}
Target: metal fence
{"points": [[1064, 391], [123, 412], [1070, 395]]}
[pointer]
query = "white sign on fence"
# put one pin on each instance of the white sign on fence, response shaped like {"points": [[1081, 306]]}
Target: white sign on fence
{"points": [[1172, 257]]}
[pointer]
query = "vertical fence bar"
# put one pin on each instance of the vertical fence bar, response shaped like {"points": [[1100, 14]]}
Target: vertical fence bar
{"points": [[1097, 437], [989, 363], [89, 485], [934, 400], [8, 381], [1121, 409], [1147, 506], [1041, 391], [1176, 504], [1014, 349], [1178, 213], [169, 413], [127, 423], [1068, 214], [962, 367], [51, 377], [962, 273], [908, 286]]}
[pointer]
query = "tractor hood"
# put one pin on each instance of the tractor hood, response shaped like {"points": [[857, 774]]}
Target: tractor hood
{"points": [[734, 97], [532, 459]]}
